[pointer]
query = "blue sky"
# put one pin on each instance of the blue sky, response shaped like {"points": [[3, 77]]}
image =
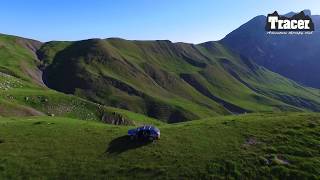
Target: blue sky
{"points": [[177, 20]]}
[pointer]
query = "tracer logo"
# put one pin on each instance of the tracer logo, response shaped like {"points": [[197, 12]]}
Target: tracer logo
{"points": [[298, 22]]}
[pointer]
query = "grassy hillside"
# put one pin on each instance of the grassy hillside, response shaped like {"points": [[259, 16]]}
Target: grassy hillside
{"points": [[45, 133], [263, 146], [170, 81], [22, 92], [18, 58], [20, 98]]}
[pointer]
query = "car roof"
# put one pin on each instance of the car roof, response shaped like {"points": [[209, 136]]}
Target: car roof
{"points": [[148, 127]]}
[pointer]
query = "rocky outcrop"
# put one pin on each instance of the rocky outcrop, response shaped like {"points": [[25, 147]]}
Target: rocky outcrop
{"points": [[116, 119]]}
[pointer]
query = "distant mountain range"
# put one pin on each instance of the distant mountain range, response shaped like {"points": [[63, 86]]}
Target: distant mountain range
{"points": [[294, 56], [168, 81]]}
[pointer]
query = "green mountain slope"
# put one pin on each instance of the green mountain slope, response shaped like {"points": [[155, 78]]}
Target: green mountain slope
{"points": [[147, 82], [18, 58], [22, 92], [257, 146], [18, 99], [170, 81]]}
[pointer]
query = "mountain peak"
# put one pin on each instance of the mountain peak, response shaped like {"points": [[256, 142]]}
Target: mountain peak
{"points": [[307, 12]]}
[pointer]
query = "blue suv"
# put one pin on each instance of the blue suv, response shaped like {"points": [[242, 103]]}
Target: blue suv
{"points": [[144, 132]]}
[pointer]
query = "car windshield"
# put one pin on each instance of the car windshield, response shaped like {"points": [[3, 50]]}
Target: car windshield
{"points": [[148, 128]]}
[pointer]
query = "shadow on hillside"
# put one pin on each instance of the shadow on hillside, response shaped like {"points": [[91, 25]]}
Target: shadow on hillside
{"points": [[124, 143]]}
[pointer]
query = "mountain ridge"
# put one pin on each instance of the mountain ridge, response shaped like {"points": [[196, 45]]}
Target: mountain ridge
{"points": [[164, 80], [191, 56], [283, 54]]}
